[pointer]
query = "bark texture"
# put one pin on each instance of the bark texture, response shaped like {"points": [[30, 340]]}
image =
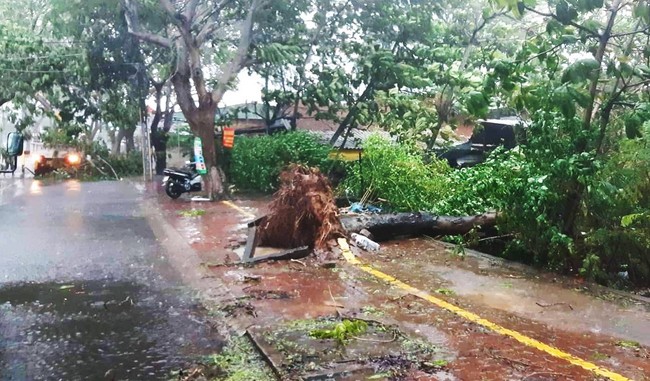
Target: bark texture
{"points": [[386, 226]]}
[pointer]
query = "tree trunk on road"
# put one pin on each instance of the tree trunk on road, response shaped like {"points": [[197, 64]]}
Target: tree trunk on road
{"points": [[387, 226]]}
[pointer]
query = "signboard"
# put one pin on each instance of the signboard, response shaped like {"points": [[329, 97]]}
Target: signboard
{"points": [[228, 137], [198, 157]]}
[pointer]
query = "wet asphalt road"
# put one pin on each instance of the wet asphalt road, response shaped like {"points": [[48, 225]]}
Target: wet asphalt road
{"points": [[85, 288]]}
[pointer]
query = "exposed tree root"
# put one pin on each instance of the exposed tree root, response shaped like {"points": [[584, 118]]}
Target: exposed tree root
{"points": [[303, 211]]}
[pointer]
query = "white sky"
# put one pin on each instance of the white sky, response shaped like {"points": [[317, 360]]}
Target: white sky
{"points": [[249, 89]]}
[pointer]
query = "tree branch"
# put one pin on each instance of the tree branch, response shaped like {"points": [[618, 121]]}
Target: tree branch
{"points": [[640, 31], [133, 26], [237, 62], [211, 23], [190, 11], [573, 24]]}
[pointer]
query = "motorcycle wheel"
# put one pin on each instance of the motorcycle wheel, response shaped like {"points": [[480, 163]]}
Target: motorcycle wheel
{"points": [[172, 190]]}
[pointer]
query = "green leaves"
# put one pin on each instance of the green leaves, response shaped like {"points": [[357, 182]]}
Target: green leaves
{"points": [[398, 173], [342, 331], [516, 6], [587, 5], [581, 70], [631, 219], [581, 98], [277, 53], [565, 13], [256, 162], [642, 11], [477, 103], [633, 124]]}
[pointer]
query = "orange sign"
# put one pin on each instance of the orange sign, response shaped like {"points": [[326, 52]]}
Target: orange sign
{"points": [[228, 137]]}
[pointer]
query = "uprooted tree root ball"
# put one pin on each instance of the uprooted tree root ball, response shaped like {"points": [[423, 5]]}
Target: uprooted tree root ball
{"points": [[303, 211]]}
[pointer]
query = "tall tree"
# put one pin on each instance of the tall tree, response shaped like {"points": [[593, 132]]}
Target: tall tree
{"points": [[584, 79], [210, 41], [159, 133], [117, 76]]}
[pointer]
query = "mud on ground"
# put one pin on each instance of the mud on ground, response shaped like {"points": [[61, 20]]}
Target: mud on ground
{"points": [[609, 333]]}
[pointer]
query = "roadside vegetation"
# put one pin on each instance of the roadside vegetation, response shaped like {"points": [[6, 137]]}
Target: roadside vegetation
{"points": [[256, 162], [573, 197]]}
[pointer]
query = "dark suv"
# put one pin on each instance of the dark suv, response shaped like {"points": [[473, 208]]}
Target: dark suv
{"points": [[488, 135]]}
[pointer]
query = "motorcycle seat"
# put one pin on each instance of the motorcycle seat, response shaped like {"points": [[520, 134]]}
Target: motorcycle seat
{"points": [[177, 172]]}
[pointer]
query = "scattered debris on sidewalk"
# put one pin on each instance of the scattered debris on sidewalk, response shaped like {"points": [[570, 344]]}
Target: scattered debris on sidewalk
{"points": [[365, 242], [343, 346], [189, 213]]}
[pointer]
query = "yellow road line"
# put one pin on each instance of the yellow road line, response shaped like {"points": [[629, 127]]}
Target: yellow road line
{"points": [[555, 352], [352, 259], [237, 208]]}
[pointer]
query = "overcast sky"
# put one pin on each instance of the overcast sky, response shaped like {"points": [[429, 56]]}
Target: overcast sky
{"points": [[249, 89]]}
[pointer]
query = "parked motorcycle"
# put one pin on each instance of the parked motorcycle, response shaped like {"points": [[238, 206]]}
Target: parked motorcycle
{"points": [[184, 180]]}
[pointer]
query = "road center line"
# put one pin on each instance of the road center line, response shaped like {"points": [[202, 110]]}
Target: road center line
{"points": [[528, 341], [237, 208]]}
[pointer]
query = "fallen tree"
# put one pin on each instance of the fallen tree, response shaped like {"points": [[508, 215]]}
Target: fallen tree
{"points": [[386, 226], [303, 214]]}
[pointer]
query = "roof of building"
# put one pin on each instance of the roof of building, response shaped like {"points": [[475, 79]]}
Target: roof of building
{"points": [[355, 140], [506, 121]]}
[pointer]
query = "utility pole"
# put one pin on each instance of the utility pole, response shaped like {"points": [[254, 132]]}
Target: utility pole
{"points": [[146, 151], [140, 81]]}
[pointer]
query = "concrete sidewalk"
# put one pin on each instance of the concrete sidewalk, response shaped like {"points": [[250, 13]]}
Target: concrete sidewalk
{"points": [[606, 333]]}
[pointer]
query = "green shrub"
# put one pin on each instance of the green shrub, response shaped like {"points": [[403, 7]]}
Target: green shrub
{"points": [[256, 162], [398, 174], [485, 187], [126, 165], [617, 223]]}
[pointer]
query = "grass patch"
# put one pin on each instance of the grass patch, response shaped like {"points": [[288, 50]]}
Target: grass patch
{"points": [[191, 213], [596, 356], [437, 363], [445, 291], [342, 331], [240, 361], [370, 310], [627, 344]]}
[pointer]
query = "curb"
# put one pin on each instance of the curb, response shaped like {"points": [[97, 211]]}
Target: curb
{"points": [[213, 293]]}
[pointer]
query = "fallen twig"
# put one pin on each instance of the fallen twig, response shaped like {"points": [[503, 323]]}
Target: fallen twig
{"points": [[222, 264], [375, 340], [554, 304], [398, 298], [109, 166], [299, 261], [335, 304], [509, 360], [495, 237], [563, 376]]}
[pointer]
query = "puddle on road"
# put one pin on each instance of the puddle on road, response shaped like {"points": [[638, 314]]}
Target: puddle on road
{"points": [[82, 330]]}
